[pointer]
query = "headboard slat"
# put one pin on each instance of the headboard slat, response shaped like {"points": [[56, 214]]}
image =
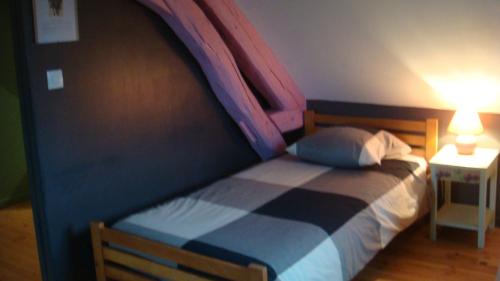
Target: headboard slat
{"points": [[411, 139], [418, 151], [431, 137], [387, 124], [421, 135]]}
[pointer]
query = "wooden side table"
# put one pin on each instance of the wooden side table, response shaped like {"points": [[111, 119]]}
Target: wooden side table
{"points": [[449, 166]]}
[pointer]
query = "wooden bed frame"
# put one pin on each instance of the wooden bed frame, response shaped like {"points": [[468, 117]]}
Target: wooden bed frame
{"points": [[114, 264]]}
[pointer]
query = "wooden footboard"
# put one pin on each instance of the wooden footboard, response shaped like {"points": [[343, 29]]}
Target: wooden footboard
{"points": [[112, 263]]}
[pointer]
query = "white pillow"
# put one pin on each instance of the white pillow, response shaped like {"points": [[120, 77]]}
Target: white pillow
{"points": [[394, 147], [372, 152]]}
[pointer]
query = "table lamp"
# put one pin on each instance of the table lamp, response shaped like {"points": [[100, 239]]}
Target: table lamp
{"points": [[466, 124]]}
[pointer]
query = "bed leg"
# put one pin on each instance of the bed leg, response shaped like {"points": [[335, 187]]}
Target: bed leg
{"points": [[257, 272], [95, 230]]}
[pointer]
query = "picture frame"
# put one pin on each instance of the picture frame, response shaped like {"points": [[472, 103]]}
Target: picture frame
{"points": [[55, 21]]}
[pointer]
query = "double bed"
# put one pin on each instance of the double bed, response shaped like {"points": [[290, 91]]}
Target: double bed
{"points": [[283, 219]]}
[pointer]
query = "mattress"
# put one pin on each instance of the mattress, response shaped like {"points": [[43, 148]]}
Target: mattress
{"points": [[303, 221]]}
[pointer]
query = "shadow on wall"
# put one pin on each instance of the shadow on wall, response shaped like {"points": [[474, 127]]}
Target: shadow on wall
{"points": [[13, 175], [18, 193]]}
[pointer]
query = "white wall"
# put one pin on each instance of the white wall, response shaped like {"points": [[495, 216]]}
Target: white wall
{"points": [[422, 53]]}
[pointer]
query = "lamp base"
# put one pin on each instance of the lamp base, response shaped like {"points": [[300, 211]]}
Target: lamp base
{"points": [[466, 144]]}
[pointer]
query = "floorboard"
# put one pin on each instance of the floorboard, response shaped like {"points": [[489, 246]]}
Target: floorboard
{"points": [[410, 257], [414, 257], [18, 255]]}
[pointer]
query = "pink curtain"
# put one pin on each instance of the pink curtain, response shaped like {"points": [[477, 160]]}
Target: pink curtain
{"points": [[191, 25], [257, 62]]}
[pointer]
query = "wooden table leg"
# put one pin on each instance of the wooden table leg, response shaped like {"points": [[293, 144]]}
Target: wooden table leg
{"points": [[434, 204], [493, 195], [481, 228]]}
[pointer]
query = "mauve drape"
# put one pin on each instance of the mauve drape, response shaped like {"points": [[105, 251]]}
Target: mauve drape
{"points": [[258, 63], [254, 58], [192, 26]]}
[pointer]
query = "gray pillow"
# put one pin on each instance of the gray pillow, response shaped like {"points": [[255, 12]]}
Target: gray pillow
{"points": [[345, 147]]}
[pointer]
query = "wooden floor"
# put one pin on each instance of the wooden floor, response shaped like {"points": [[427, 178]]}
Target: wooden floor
{"points": [[18, 255], [411, 257], [414, 257]]}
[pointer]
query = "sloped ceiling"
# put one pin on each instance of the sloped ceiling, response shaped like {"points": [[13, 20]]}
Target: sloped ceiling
{"points": [[433, 54]]}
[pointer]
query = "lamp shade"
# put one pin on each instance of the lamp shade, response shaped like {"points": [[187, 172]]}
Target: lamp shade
{"points": [[466, 122]]}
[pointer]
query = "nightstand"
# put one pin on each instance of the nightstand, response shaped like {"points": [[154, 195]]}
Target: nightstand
{"points": [[448, 166]]}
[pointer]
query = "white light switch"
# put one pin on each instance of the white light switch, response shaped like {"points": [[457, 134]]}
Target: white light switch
{"points": [[55, 80]]}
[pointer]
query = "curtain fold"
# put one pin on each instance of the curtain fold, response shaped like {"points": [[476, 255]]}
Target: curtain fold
{"points": [[257, 61], [196, 31]]}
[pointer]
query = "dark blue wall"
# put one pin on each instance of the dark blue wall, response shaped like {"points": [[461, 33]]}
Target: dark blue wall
{"points": [[135, 125]]}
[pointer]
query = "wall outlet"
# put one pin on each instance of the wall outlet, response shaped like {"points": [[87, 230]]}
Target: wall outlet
{"points": [[55, 80]]}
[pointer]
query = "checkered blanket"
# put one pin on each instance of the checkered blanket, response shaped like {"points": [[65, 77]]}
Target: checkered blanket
{"points": [[303, 221]]}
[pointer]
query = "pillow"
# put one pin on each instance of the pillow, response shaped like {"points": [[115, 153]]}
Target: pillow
{"points": [[394, 147], [349, 147], [345, 147]]}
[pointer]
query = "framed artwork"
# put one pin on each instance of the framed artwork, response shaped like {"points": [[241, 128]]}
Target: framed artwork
{"points": [[55, 21]]}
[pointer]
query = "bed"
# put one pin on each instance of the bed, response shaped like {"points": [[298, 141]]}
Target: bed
{"points": [[283, 219]]}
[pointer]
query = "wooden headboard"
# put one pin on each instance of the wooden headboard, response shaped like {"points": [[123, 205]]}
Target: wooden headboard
{"points": [[421, 135]]}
